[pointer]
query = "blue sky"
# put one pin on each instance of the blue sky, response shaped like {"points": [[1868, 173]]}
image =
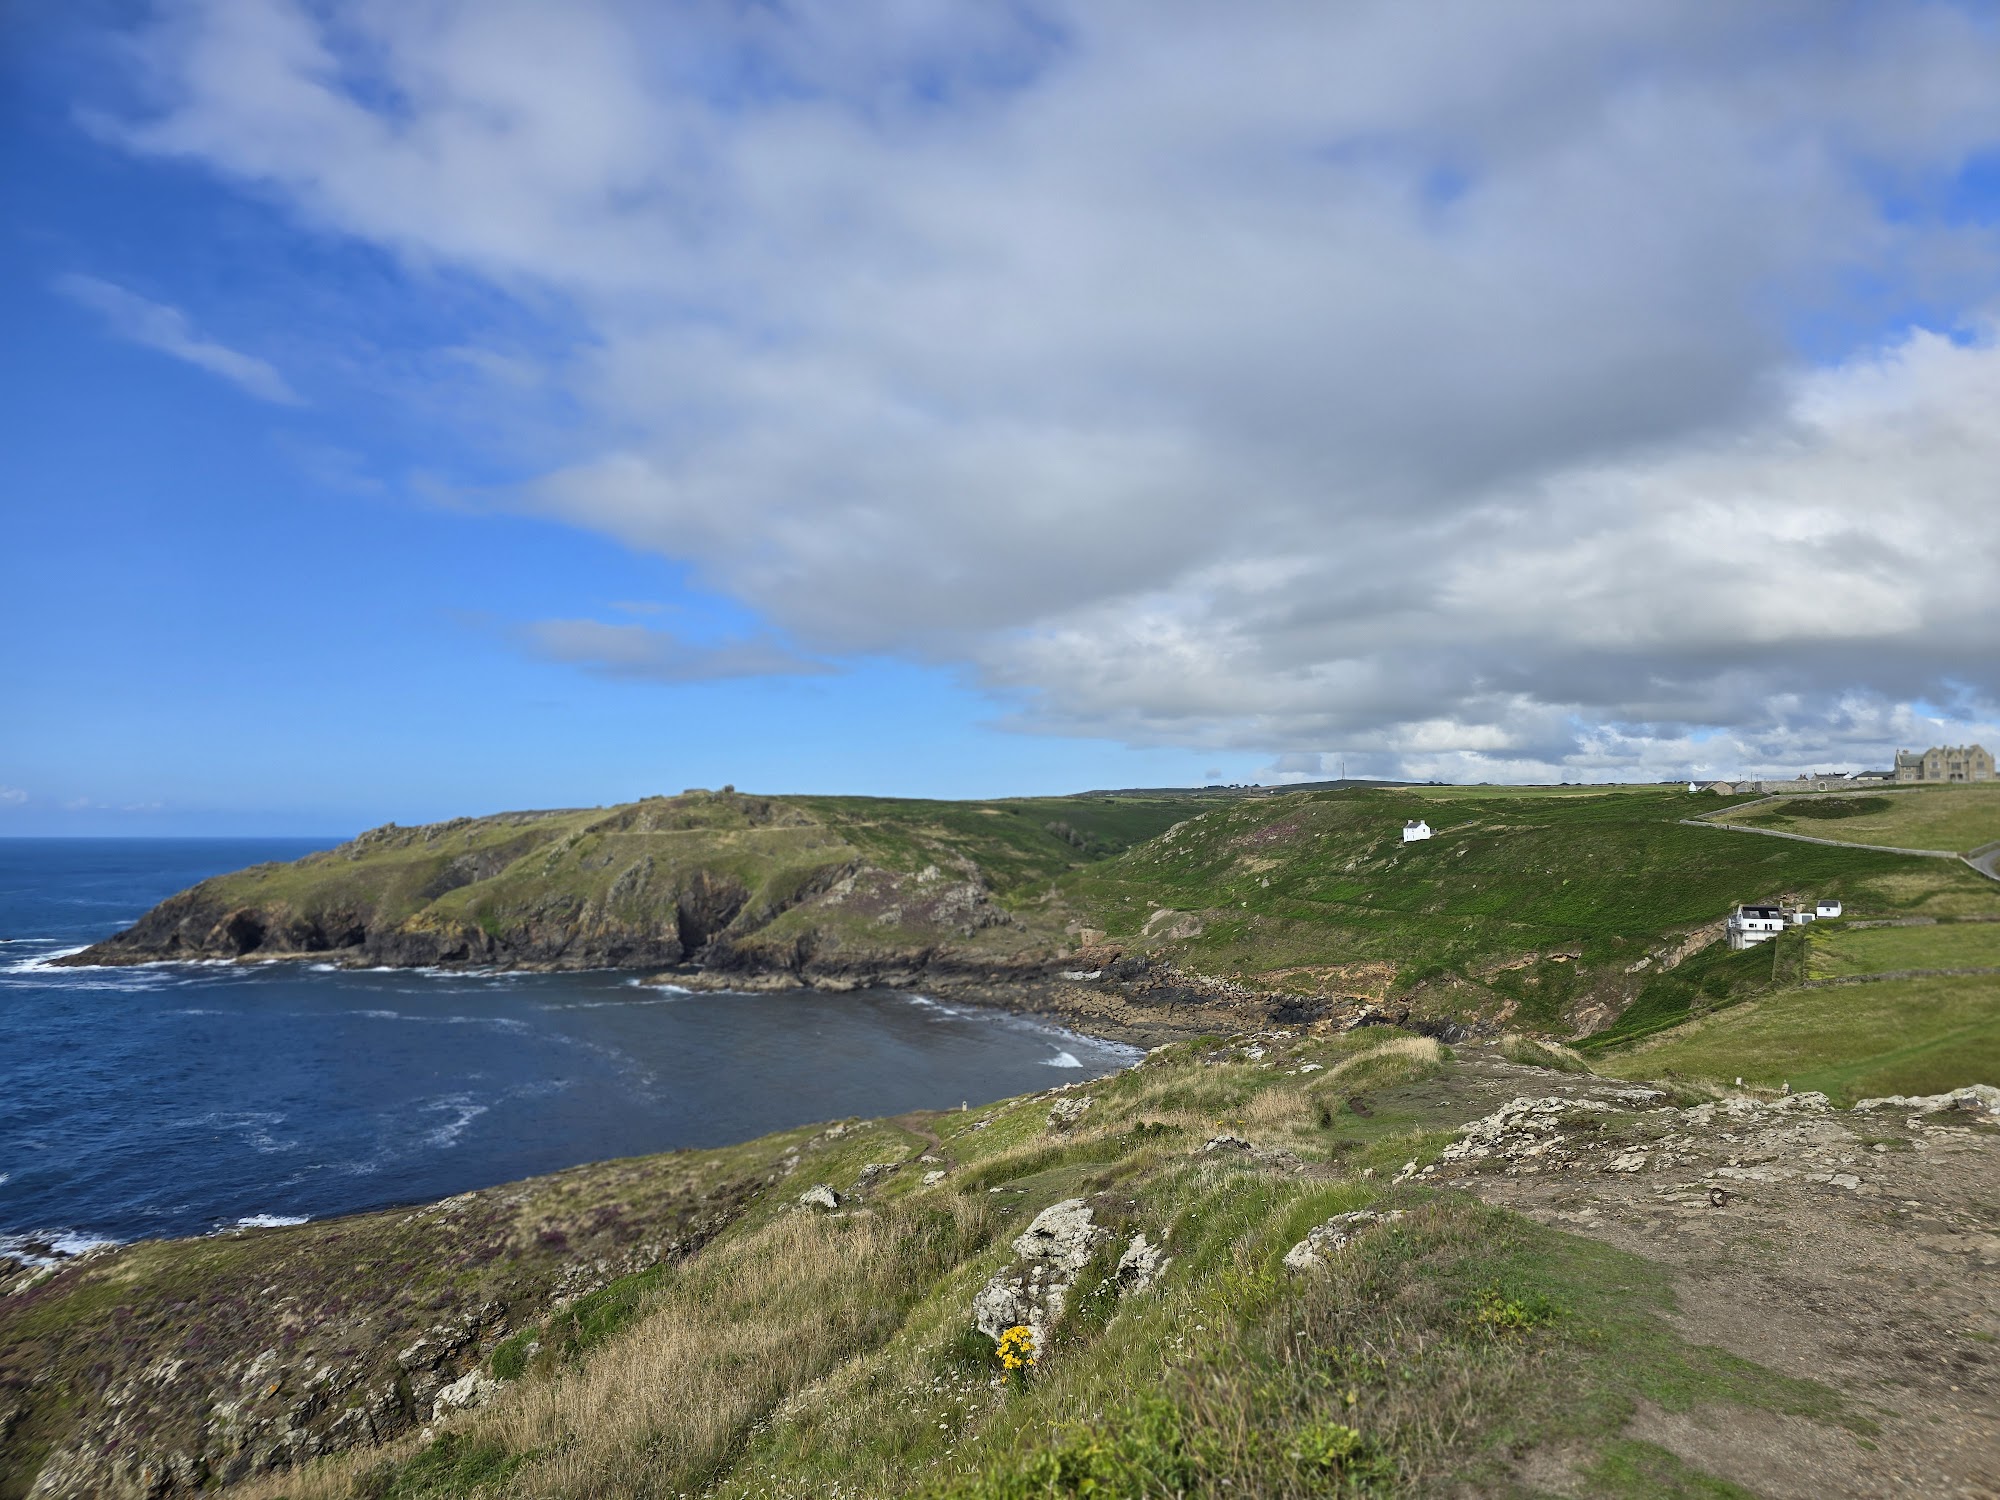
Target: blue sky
{"points": [[436, 408]]}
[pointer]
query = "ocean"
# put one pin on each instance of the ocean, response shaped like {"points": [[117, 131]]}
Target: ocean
{"points": [[176, 1099]]}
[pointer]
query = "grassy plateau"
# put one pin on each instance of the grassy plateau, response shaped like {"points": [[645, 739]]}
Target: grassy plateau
{"points": [[1959, 818]]}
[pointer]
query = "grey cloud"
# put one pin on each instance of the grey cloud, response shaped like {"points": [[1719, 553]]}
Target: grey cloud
{"points": [[1410, 381], [154, 325], [640, 654]]}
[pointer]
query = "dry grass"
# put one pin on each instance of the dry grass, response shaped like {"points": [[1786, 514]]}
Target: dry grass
{"points": [[1404, 1053], [659, 1409], [1535, 1053]]}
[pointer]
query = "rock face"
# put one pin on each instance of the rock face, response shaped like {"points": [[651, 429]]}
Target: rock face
{"points": [[754, 889], [172, 1367]]}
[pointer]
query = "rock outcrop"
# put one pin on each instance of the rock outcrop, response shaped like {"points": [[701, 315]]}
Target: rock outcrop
{"points": [[1034, 1291]]}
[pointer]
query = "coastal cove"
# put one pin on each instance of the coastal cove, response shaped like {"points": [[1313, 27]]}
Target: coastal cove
{"points": [[179, 1098]]}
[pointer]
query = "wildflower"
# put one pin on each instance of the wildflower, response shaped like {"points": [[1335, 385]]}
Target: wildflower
{"points": [[1016, 1351]]}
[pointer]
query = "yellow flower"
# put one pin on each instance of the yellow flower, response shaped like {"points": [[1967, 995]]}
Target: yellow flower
{"points": [[1017, 1348]]}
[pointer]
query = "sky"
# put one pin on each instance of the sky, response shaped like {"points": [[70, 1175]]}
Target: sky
{"points": [[425, 407]]}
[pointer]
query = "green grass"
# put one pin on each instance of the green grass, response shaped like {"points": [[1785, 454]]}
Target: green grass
{"points": [[1532, 903], [1960, 818], [1427, 1360], [1914, 1036], [1838, 950]]}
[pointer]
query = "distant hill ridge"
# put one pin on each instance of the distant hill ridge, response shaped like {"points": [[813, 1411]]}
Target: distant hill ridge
{"points": [[1556, 909]]}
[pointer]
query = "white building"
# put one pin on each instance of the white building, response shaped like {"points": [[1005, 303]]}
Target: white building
{"points": [[1418, 829], [1827, 907], [1751, 925]]}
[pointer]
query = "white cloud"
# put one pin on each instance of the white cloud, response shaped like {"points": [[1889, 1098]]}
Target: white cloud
{"points": [[12, 796], [638, 653], [1413, 382], [154, 325]]}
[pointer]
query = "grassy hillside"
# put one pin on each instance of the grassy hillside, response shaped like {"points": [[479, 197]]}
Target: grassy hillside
{"points": [[1557, 909], [1898, 1036], [809, 1354], [1839, 949], [664, 880], [1960, 818], [1527, 906]]}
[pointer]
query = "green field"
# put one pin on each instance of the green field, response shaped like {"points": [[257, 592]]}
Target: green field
{"points": [[1523, 901], [1960, 818], [1839, 950], [1899, 1036]]}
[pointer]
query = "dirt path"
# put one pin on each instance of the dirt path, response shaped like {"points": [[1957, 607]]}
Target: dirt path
{"points": [[1858, 1250], [1987, 864]]}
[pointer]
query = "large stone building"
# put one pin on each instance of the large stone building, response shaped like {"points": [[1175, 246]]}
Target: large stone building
{"points": [[1945, 763]]}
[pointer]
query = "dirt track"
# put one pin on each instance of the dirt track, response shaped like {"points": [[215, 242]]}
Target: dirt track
{"points": [[1861, 1250]]}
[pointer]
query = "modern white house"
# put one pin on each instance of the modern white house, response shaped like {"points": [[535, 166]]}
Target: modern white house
{"points": [[1417, 829], [1751, 925], [1826, 907]]}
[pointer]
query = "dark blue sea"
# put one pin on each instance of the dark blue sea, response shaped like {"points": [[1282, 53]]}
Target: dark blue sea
{"points": [[176, 1099]]}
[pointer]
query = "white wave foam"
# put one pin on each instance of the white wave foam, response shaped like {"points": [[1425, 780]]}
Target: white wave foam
{"points": [[1062, 1060], [48, 1247], [271, 1221], [926, 1003], [666, 989], [45, 963], [463, 1112]]}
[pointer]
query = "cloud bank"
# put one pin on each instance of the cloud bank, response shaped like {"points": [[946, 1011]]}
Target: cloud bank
{"points": [[1467, 389]]}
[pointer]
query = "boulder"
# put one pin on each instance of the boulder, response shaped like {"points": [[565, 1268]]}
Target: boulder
{"points": [[1141, 1264], [1034, 1291], [475, 1388], [1063, 1235], [1324, 1241], [1066, 1112], [1980, 1098], [819, 1195]]}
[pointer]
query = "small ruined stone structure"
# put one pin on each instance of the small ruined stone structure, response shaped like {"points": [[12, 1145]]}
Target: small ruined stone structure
{"points": [[1945, 763]]}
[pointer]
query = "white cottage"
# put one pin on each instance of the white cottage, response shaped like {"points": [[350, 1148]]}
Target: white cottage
{"points": [[1750, 925], [1416, 829], [1827, 907]]}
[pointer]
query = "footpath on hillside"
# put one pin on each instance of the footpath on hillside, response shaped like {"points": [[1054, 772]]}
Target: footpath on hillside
{"points": [[1857, 1248]]}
